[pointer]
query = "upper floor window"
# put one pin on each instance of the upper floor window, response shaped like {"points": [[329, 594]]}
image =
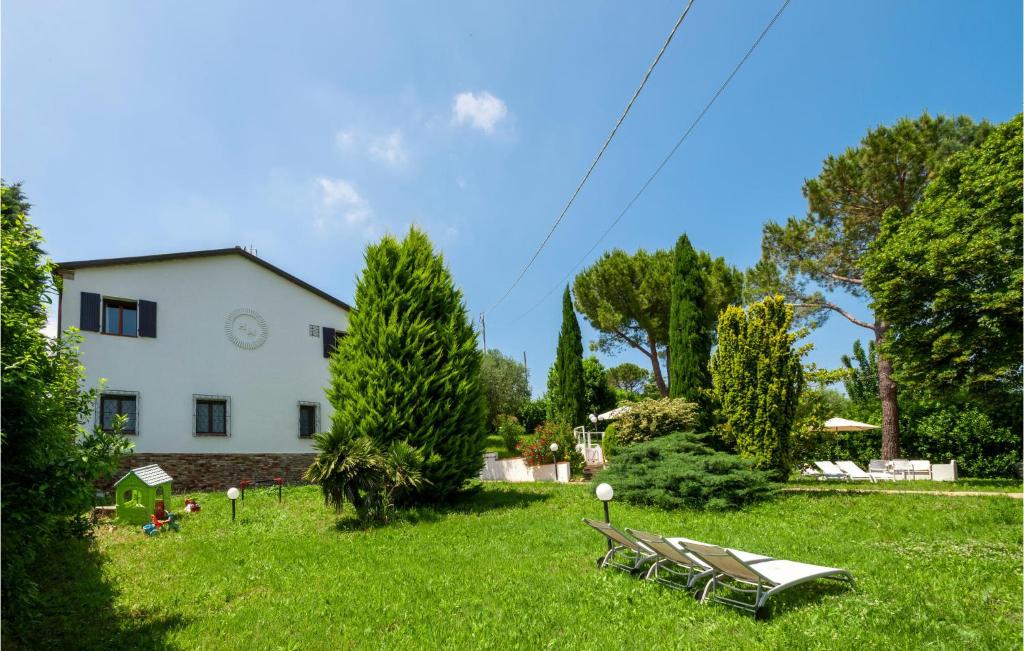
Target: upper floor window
{"points": [[212, 415], [120, 317], [119, 404]]}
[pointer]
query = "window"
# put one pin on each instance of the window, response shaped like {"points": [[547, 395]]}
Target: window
{"points": [[119, 404], [309, 419], [120, 318], [212, 415]]}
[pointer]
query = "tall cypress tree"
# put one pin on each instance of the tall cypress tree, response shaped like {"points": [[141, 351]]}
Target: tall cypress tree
{"points": [[689, 341], [409, 368], [566, 385]]}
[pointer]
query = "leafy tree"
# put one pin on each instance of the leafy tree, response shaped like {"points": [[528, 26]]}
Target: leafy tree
{"points": [[861, 381], [628, 377], [599, 395], [627, 299], [824, 251], [566, 385], [946, 275], [981, 448], [758, 379], [818, 402], [49, 464], [681, 471], [689, 339], [505, 385], [356, 470], [409, 369]]}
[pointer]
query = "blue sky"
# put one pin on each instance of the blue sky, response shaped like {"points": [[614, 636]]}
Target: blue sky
{"points": [[308, 129]]}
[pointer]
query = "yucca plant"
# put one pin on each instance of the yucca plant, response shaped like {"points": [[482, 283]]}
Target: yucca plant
{"points": [[354, 469]]}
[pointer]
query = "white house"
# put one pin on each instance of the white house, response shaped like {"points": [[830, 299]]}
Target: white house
{"points": [[217, 358]]}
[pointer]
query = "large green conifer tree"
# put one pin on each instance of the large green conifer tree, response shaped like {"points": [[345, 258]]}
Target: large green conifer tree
{"points": [[409, 368], [757, 381], [689, 340], [566, 383]]}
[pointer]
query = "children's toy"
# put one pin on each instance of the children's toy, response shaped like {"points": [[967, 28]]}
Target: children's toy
{"points": [[191, 506], [141, 493], [156, 525]]}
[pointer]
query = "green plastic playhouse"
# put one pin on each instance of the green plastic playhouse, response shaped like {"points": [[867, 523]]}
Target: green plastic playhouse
{"points": [[141, 493]]}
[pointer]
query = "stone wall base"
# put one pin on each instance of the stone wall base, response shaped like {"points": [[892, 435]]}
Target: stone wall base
{"points": [[214, 472]]}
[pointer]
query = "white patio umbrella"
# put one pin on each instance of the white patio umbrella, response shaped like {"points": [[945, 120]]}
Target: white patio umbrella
{"points": [[845, 425], [613, 414]]}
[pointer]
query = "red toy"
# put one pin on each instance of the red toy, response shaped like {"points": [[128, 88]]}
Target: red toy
{"points": [[191, 506], [157, 524]]}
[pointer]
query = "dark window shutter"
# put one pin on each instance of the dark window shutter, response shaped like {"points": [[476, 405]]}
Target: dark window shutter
{"points": [[327, 334], [147, 318], [90, 318]]}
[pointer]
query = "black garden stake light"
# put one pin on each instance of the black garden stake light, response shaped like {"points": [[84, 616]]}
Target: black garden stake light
{"points": [[233, 495], [605, 494], [280, 482], [554, 457]]}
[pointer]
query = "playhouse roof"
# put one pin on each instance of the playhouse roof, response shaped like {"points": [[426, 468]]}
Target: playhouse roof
{"points": [[151, 475]]}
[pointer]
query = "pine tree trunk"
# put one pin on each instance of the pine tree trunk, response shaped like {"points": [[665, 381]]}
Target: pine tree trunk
{"points": [[659, 379], [887, 393]]}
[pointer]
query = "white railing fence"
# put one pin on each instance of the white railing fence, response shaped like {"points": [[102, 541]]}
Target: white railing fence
{"points": [[588, 443]]}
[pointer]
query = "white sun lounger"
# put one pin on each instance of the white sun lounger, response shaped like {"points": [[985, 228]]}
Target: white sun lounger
{"points": [[624, 553], [830, 470], [854, 471], [880, 469], [674, 567], [759, 579]]}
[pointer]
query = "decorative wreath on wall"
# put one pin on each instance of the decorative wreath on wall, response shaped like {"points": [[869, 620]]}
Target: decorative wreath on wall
{"points": [[245, 328]]}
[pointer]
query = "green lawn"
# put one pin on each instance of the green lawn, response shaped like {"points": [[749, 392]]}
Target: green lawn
{"points": [[513, 567]]}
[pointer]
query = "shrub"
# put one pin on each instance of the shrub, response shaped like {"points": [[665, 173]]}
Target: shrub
{"points": [[356, 470], [536, 449], [510, 431], [49, 463], [610, 441], [649, 419], [681, 471], [981, 449], [532, 414], [409, 369]]}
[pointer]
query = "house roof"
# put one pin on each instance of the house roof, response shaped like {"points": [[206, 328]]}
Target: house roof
{"points": [[207, 253], [151, 475]]}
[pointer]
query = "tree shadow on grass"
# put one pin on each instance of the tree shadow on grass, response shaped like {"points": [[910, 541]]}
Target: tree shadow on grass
{"points": [[469, 502], [77, 608]]}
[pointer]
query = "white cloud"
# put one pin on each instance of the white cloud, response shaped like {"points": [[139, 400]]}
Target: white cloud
{"points": [[389, 149], [483, 111], [339, 198]]}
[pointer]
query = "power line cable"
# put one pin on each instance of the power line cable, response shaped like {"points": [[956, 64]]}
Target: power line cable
{"points": [[597, 158], [664, 162]]}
